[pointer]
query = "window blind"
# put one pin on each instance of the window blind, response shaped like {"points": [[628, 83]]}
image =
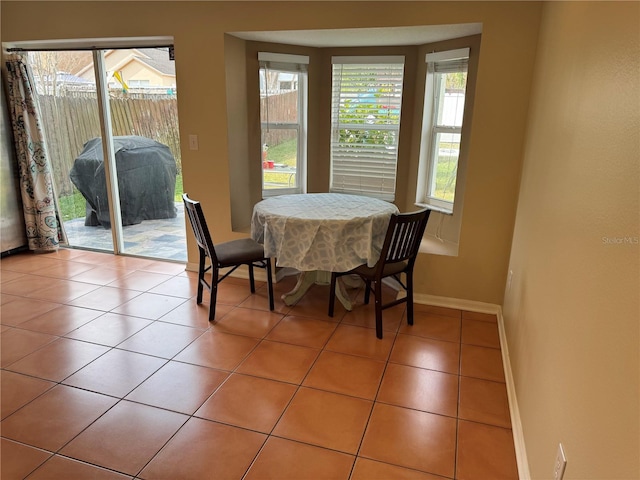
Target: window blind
{"points": [[365, 124]]}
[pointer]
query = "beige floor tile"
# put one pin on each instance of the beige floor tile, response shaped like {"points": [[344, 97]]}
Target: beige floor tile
{"points": [[420, 389], [247, 322], [184, 287], [361, 342], [22, 310], [180, 387], [303, 331], [61, 320], [475, 460], [279, 361], [8, 276], [204, 449], [260, 301], [55, 417], [18, 460], [366, 469], [346, 374], [483, 317], [481, 362], [315, 304], [412, 439], [58, 467], [484, 401], [248, 402], [190, 314], [63, 291], [101, 275], [426, 353], [290, 393], [149, 305], [285, 459], [115, 373], [17, 343], [58, 359], [139, 280], [482, 334], [65, 270], [432, 309], [218, 350], [109, 329], [17, 390], [325, 419], [438, 327], [126, 437], [161, 339], [230, 293], [365, 316], [105, 298]]}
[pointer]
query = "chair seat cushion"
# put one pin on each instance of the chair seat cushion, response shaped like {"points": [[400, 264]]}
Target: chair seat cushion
{"points": [[389, 269], [244, 250]]}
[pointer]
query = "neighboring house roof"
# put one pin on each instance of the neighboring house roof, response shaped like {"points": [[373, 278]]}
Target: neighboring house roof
{"points": [[157, 58], [154, 58]]}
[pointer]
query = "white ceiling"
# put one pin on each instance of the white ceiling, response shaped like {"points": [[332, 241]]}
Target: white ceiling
{"points": [[364, 37]]}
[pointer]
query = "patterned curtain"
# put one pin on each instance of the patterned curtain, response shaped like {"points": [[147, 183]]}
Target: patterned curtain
{"points": [[44, 228]]}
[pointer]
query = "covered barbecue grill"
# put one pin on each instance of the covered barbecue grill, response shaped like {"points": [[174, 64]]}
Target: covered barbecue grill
{"points": [[146, 180]]}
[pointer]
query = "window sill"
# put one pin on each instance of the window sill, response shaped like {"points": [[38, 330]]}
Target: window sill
{"points": [[434, 246], [435, 208]]}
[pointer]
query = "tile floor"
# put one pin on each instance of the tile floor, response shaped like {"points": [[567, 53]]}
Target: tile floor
{"points": [[164, 238], [110, 370]]}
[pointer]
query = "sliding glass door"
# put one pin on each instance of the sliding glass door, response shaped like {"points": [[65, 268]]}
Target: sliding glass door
{"points": [[110, 120]]}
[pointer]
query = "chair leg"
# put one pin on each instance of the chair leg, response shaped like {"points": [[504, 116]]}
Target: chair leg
{"points": [[378, 307], [269, 283], [367, 291], [252, 283], [200, 277], [410, 298], [214, 293], [332, 293]]}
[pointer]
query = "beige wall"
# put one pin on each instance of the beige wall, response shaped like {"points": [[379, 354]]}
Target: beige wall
{"points": [[506, 62], [572, 311]]}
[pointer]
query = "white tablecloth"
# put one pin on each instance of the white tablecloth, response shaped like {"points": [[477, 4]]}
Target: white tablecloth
{"points": [[322, 231]]}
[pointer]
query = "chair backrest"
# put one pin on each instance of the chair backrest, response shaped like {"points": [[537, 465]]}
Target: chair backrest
{"points": [[403, 237], [193, 210]]}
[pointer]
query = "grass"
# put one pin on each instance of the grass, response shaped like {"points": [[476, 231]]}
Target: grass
{"points": [[74, 206], [284, 153]]}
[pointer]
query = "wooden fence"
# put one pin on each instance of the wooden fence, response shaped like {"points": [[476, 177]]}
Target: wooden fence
{"points": [[280, 108], [71, 120]]}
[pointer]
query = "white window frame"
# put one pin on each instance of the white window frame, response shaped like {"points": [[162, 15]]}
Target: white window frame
{"points": [[428, 154], [294, 64], [377, 178]]}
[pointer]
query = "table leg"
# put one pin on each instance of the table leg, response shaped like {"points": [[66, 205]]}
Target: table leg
{"points": [[307, 279]]}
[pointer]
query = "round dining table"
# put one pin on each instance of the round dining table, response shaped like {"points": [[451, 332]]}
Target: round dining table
{"points": [[320, 233]]}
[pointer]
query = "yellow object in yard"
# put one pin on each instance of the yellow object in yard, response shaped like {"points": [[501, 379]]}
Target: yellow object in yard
{"points": [[118, 77]]}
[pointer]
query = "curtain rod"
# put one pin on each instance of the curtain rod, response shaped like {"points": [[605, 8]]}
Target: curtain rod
{"points": [[90, 49]]}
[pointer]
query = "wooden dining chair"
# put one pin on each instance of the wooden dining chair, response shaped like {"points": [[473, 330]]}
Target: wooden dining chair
{"points": [[398, 255], [233, 254]]}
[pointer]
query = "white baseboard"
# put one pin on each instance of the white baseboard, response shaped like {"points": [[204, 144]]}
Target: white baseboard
{"points": [[516, 424]]}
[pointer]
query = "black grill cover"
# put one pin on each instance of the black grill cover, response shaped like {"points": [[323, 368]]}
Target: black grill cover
{"points": [[146, 180]]}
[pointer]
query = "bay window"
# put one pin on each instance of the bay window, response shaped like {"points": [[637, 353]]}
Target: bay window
{"points": [[283, 120], [365, 124], [442, 129]]}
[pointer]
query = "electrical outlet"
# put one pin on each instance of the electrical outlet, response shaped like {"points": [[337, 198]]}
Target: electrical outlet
{"points": [[560, 465], [509, 279]]}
